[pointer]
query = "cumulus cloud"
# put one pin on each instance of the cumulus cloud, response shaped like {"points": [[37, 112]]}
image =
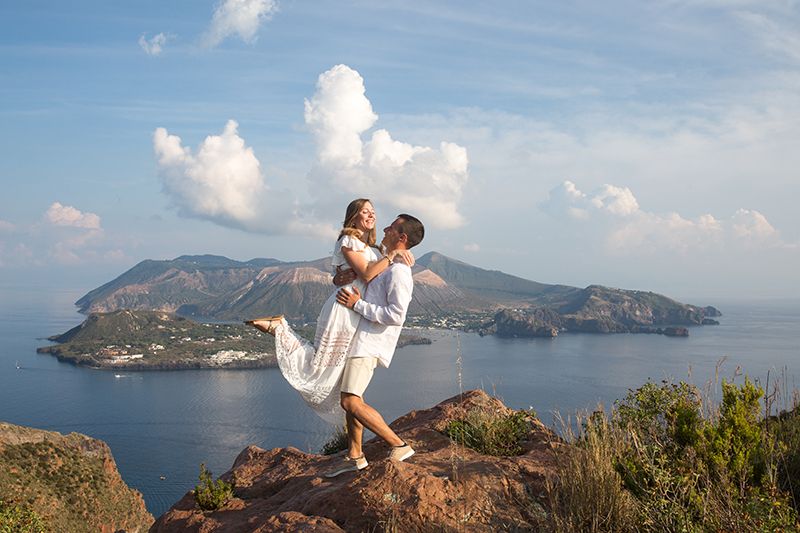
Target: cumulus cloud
{"points": [[472, 247], [752, 225], [155, 45], [239, 17], [221, 181], [68, 216], [423, 180], [567, 198], [615, 217], [62, 235]]}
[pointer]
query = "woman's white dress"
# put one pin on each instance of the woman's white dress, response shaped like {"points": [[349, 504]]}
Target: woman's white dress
{"points": [[316, 371]]}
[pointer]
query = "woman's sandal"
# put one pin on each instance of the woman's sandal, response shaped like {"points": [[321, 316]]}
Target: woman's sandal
{"points": [[272, 323]]}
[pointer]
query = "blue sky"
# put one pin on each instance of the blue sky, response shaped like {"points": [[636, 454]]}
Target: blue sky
{"points": [[651, 145]]}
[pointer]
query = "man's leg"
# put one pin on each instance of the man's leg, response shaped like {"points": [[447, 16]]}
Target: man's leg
{"points": [[362, 412], [355, 432]]}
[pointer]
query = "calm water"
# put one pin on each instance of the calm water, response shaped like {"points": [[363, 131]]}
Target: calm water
{"points": [[167, 423]]}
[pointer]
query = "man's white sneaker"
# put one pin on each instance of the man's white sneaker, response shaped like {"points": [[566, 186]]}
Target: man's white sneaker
{"points": [[401, 453], [348, 464]]}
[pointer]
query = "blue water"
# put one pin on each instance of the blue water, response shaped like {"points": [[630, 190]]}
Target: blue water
{"points": [[167, 423]]}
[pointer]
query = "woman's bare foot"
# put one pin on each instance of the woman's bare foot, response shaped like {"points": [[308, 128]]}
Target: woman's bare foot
{"points": [[266, 324]]}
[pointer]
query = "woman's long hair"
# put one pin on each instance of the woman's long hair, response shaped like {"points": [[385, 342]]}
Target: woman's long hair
{"points": [[349, 225]]}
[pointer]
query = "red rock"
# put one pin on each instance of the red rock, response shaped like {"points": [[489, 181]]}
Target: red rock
{"points": [[444, 487]]}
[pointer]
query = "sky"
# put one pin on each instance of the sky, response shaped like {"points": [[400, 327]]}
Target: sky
{"points": [[649, 145]]}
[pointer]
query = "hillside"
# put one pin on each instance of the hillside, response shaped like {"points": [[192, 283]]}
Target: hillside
{"points": [[447, 293], [70, 481], [155, 340], [166, 285]]}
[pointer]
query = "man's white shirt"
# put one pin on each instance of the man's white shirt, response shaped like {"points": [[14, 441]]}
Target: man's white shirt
{"points": [[383, 308]]}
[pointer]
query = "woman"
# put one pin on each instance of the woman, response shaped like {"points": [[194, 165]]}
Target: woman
{"points": [[315, 371]]}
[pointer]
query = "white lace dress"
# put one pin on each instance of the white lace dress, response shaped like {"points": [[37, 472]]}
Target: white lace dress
{"points": [[316, 371]]}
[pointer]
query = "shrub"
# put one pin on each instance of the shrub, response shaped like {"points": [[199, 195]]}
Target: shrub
{"points": [[210, 495], [491, 433], [18, 519], [336, 443], [684, 471]]}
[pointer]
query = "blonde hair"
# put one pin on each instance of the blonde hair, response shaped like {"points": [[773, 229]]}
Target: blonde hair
{"points": [[349, 225]]}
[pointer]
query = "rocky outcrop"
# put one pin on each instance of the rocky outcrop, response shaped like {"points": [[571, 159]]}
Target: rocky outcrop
{"points": [[599, 309], [70, 481], [444, 487], [538, 322]]}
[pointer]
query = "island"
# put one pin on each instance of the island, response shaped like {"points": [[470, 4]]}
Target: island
{"points": [[448, 294], [156, 340]]}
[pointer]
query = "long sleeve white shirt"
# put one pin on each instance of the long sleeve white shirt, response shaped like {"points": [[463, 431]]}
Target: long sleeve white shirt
{"points": [[383, 308]]}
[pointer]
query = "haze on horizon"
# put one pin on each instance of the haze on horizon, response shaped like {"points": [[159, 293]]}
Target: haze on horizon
{"points": [[648, 145]]}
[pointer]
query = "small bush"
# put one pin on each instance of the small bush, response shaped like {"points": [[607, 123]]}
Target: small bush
{"points": [[491, 433], [658, 464], [210, 495], [18, 519], [337, 442]]}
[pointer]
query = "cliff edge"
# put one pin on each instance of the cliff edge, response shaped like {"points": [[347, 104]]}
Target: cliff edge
{"points": [[70, 481], [444, 487]]}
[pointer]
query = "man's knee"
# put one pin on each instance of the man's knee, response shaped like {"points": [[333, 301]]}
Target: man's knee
{"points": [[349, 401]]}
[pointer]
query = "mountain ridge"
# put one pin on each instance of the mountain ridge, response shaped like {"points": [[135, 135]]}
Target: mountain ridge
{"points": [[218, 288]]}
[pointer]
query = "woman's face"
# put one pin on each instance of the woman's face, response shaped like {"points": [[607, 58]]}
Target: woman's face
{"points": [[365, 220]]}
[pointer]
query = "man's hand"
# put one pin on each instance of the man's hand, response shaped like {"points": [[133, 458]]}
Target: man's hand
{"points": [[348, 298], [344, 276]]}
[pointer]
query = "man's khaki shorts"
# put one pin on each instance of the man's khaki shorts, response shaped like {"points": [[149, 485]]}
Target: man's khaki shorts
{"points": [[357, 374]]}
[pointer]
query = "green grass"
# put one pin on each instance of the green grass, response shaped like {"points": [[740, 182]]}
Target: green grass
{"points": [[490, 432], [336, 443]]}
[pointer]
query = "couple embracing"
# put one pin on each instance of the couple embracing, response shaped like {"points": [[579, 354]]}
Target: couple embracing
{"points": [[357, 329]]}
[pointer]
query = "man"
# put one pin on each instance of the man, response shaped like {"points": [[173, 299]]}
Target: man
{"points": [[383, 309]]}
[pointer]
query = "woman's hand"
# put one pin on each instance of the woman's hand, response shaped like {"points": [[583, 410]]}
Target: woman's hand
{"points": [[344, 276], [402, 256]]}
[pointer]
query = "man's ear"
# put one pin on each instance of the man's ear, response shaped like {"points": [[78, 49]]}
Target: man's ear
{"points": [[403, 238]]}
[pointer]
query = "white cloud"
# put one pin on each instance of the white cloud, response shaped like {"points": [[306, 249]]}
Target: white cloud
{"points": [[239, 17], [752, 225], [68, 216], [567, 198], [427, 182], [472, 247], [154, 46], [617, 220], [615, 200], [6, 227], [223, 181], [64, 235]]}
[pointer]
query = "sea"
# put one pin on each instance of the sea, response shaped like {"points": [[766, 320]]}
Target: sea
{"points": [[161, 425]]}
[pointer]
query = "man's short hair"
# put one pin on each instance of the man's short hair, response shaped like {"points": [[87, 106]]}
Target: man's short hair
{"points": [[413, 229]]}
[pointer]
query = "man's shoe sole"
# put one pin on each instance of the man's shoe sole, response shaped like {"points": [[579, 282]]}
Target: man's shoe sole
{"points": [[344, 470]]}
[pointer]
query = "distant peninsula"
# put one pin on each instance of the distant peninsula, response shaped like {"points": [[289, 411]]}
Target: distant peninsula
{"points": [[448, 293], [156, 340]]}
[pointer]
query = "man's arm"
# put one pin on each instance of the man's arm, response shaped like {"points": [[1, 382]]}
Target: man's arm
{"points": [[399, 288]]}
